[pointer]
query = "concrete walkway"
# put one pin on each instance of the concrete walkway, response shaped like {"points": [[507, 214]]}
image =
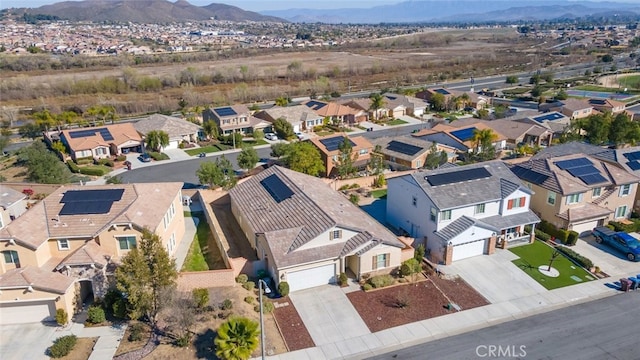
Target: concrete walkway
{"points": [[354, 346], [190, 229], [108, 338]]}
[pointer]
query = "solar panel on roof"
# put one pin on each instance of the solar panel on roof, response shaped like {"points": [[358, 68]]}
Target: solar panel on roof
{"points": [[631, 156], [458, 176], [106, 134], [86, 207], [226, 111], [92, 195], [333, 143], [597, 101], [573, 163], [403, 148], [442, 91], [315, 105], [464, 134], [81, 133], [278, 190], [634, 165], [583, 170], [529, 175], [592, 179]]}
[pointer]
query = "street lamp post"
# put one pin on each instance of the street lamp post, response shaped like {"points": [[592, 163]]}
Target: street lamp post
{"points": [[267, 291]]}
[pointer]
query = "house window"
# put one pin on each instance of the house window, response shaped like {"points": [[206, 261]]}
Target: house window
{"points": [[574, 198], [126, 242], [596, 192], [414, 201], [625, 190], [335, 157], [11, 257], [516, 203], [381, 261], [434, 213], [445, 215], [551, 198], [621, 211], [363, 151], [418, 163], [336, 234], [63, 244], [479, 209]]}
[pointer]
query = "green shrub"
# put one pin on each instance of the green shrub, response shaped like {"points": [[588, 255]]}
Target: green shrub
{"points": [[560, 234], [135, 332], [581, 260], [367, 287], [354, 198], [105, 162], [94, 171], [354, 186], [248, 299], [158, 156], [183, 341], [62, 317], [119, 308], [573, 238], [62, 346], [343, 279], [200, 297], [249, 285], [242, 278], [73, 167], [410, 267], [84, 160], [283, 288], [381, 281], [227, 304], [95, 315], [121, 158], [542, 235], [267, 307], [344, 187], [419, 252]]}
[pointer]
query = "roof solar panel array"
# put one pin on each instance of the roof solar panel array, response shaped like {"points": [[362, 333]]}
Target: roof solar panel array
{"points": [[592, 179], [442, 91], [333, 143], [458, 176], [634, 165], [403, 148], [631, 156], [84, 202], [278, 190], [529, 175], [464, 134], [225, 111], [315, 105], [104, 132], [573, 163]]}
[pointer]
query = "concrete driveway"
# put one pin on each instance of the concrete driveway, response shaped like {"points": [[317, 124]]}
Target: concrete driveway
{"points": [[328, 314], [495, 276], [610, 260], [26, 341]]}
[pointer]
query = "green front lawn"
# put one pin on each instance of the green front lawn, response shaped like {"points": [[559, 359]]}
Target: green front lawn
{"points": [[203, 254], [396, 122], [377, 194], [255, 143], [208, 149], [539, 253]]}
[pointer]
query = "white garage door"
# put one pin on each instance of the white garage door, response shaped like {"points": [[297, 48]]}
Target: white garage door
{"points": [[464, 251], [304, 279], [173, 144], [27, 312], [584, 228]]}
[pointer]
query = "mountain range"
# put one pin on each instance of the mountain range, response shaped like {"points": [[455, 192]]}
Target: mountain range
{"points": [[413, 11], [144, 11]]}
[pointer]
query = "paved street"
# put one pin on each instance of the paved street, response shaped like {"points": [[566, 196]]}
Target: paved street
{"points": [[602, 329]]}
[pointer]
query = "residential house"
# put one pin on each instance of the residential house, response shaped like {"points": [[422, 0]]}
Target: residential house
{"points": [[336, 113], [101, 142], [413, 106], [329, 147], [235, 118], [12, 204], [460, 138], [179, 130], [475, 101], [76, 236], [306, 233], [556, 122], [462, 211], [578, 192], [300, 117], [607, 105], [574, 108], [406, 152]]}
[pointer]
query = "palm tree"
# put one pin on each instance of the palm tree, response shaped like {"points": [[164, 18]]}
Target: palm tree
{"points": [[237, 338], [377, 102], [210, 129], [157, 139], [483, 140]]}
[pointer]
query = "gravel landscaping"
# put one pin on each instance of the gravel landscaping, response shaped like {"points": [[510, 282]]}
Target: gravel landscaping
{"points": [[293, 330], [407, 303]]}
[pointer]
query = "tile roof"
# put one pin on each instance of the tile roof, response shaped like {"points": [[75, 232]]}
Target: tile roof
{"points": [[424, 146], [175, 127], [465, 193], [574, 147], [121, 134], [292, 114], [459, 226], [585, 212], [334, 109], [312, 209], [575, 104], [501, 222], [143, 205], [89, 254], [37, 278], [360, 143], [9, 196]]}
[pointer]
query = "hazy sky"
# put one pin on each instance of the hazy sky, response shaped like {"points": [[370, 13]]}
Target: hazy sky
{"points": [[252, 5]]}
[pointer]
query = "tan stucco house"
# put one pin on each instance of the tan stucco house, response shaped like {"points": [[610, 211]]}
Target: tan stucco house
{"points": [[329, 147], [101, 142]]}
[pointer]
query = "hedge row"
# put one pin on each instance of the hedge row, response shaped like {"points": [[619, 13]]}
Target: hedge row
{"points": [[583, 261], [560, 234], [95, 171], [73, 167], [105, 162], [158, 156], [633, 227]]}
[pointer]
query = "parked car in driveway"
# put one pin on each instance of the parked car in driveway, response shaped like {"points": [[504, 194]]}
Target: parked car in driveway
{"points": [[300, 136], [271, 136], [620, 240], [145, 157]]}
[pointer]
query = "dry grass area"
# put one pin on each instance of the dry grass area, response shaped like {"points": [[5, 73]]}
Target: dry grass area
{"points": [[127, 346], [207, 323], [82, 350], [10, 171]]}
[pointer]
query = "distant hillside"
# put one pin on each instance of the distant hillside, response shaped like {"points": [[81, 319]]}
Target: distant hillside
{"points": [[452, 11], [145, 11]]}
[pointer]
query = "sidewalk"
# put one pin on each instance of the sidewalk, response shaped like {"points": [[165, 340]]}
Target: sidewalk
{"points": [[453, 324], [108, 338]]}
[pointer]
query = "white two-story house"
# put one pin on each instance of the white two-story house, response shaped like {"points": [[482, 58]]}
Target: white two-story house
{"points": [[463, 211]]}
